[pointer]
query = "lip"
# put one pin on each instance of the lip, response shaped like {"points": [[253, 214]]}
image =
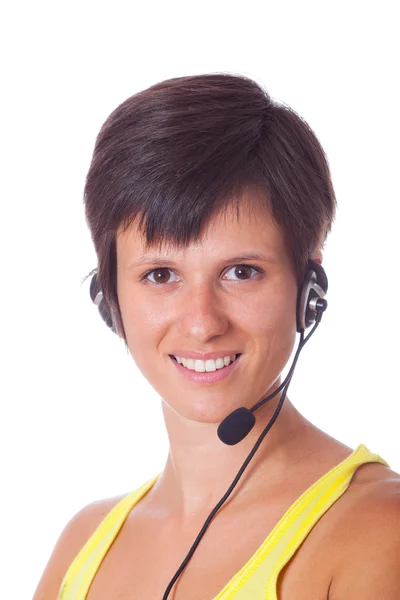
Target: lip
{"points": [[203, 355], [207, 377]]}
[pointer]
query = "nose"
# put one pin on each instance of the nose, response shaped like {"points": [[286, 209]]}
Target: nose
{"points": [[201, 315]]}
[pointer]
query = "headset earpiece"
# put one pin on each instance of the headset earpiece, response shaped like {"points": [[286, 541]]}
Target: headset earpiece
{"points": [[321, 274], [97, 298], [95, 292], [310, 301]]}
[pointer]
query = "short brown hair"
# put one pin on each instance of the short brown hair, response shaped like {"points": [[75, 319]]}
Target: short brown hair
{"points": [[178, 152]]}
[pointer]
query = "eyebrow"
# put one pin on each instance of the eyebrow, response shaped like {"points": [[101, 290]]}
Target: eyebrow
{"points": [[147, 259]]}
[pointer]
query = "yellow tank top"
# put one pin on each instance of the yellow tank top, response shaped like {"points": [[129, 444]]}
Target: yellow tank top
{"points": [[258, 577]]}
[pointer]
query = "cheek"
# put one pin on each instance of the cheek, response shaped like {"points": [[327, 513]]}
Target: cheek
{"points": [[273, 314], [140, 320], [142, 336], [145, 324], [270, 322]]}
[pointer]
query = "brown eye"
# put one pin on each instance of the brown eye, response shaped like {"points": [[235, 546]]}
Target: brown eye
{"points": [[243, 272], [159, 276]]}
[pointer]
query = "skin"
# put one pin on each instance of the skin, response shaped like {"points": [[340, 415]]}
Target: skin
{"points": [[203, 305]]}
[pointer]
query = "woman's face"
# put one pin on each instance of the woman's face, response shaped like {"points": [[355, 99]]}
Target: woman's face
{"points": [[198, 300]]}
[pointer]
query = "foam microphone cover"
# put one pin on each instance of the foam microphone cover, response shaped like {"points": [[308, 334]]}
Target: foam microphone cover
{"points": [[234, 428]]}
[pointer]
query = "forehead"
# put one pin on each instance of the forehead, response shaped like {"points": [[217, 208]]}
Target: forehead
{"points": [[247, 226]]}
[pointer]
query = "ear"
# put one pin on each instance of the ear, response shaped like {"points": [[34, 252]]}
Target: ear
{"points": [[317, 256]]}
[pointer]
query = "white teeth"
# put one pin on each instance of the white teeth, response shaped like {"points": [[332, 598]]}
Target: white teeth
{"points": [[199, 365], [189, 363], [208, 365], [211, 365]]}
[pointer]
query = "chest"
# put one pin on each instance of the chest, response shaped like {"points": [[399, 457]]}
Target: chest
{"points": [[146, 554]]}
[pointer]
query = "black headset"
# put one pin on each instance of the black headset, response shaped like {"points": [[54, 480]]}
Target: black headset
{"points": [[311, 305]]}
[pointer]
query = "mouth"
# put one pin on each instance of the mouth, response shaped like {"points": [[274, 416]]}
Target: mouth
{"points": [[207, 377], [218, 368]]}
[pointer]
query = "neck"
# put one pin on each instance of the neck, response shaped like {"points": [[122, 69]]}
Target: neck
{"points": [[200, 468]]}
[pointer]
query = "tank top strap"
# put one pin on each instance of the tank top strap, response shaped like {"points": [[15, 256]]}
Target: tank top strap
{"points": [[298, 521], [81, 572], [258, 577]]}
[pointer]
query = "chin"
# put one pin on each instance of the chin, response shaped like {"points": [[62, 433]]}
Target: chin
{"points": [[202, 410]]}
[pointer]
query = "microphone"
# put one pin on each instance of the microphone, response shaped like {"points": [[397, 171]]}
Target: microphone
{"points": [[238, 424], [234, 428]]}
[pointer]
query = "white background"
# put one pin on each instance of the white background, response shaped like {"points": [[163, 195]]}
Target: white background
{"points": [[78, 421]]}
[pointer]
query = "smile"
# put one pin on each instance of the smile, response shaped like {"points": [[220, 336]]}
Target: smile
{"points": [[202, 366], [204, 376]]}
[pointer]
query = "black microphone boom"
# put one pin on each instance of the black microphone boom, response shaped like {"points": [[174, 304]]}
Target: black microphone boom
{"points": [[234, 428]]}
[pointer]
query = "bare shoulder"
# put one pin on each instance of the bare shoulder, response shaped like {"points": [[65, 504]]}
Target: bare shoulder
{"points": [[368, 557], [73, 537]]}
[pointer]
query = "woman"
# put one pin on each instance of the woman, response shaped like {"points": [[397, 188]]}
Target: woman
{"points": [[209, 205]]}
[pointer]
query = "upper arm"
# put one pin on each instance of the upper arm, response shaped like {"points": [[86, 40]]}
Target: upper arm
{"points": [[370, 565], [374, 575], [72, 539]]}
